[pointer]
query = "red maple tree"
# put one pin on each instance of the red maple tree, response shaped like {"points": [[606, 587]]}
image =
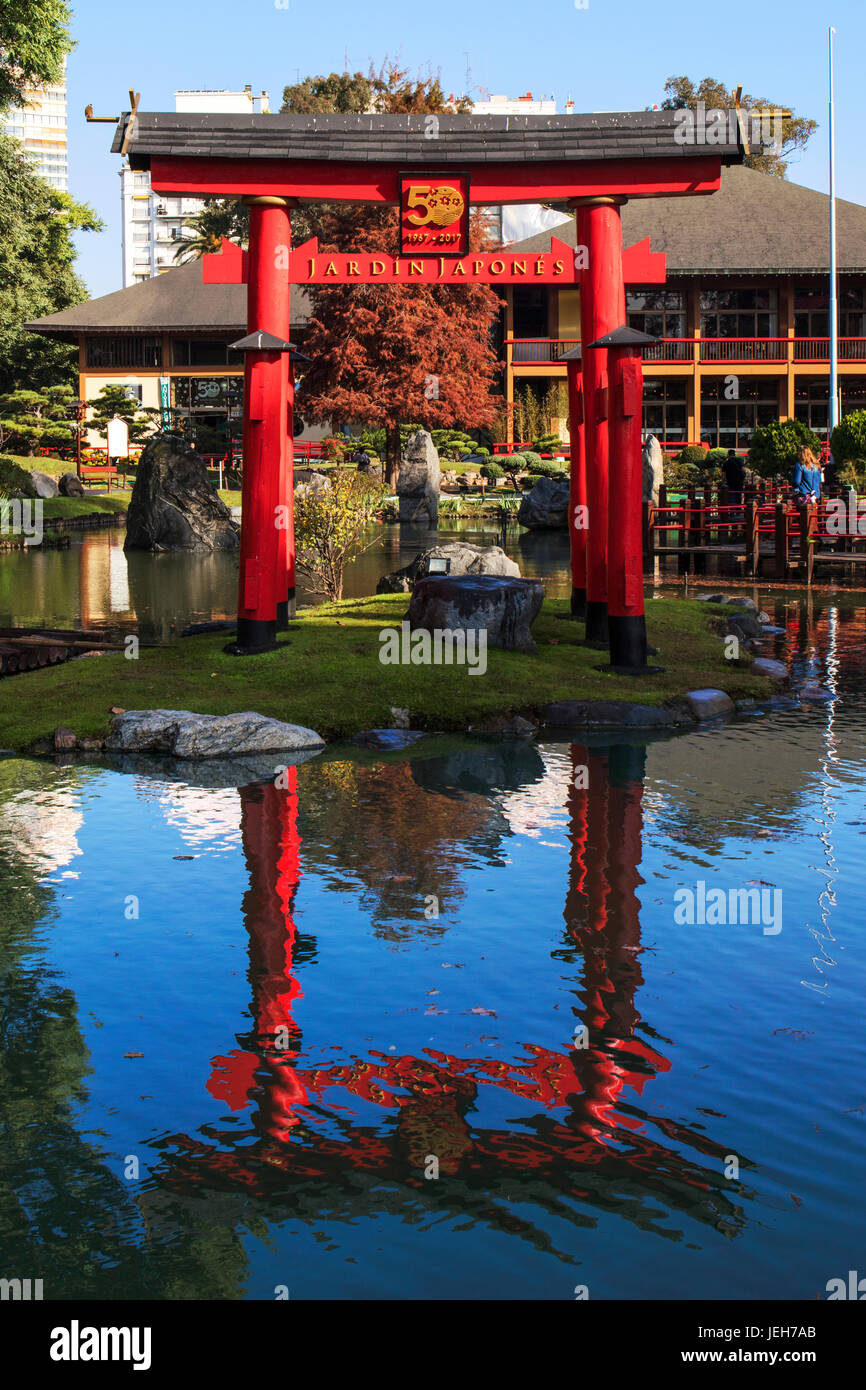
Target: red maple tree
{"points": [[390, 355]]}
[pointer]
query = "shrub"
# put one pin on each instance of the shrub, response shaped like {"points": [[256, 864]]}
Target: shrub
{"points": [[546, 468], [482, 452], [548, 444], [15, 481], [715, 458], [694, 455], [533, 460], [492, 470], [848, 441], [331, 528], [773, 448]]}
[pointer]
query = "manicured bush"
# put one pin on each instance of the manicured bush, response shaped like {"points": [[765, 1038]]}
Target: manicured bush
{"points": [[773, 448], [546, 468], [715, 458], [547, 444], [693, 454], [533, 460], [15, 481], [491, 470]]}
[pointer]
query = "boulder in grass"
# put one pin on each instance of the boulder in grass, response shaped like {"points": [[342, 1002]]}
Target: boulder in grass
{"points": [[503, 607], [461, 558], [44, 485], [70, 485], [173, 505], [182, 734]]}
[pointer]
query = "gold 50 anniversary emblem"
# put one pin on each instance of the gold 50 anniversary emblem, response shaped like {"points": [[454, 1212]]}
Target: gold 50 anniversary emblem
{"points": [[439, 204]]}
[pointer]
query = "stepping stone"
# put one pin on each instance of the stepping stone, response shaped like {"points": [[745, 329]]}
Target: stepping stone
{"points": [[183, 734], [764, 666], [390, 740], [708, 703]]}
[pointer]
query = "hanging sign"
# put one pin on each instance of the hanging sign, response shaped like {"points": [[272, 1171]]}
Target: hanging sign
{"points": [[306, 265], [117, 439], [434, 214]]}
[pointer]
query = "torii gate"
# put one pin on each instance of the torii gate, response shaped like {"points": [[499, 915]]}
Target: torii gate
{"points": [[434, 168]]}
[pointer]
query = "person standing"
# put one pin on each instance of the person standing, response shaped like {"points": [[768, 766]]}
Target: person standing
{"points": [[734, 469]]}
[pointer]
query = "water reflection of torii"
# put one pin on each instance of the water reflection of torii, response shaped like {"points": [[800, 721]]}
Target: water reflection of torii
{"points": [[587, 1154]]}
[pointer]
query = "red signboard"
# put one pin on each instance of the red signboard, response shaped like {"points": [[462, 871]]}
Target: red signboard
{"points": [[306, 265], [434, 214]]}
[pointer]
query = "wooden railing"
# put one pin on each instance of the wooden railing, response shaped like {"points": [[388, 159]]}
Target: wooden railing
{"points": [[548, 352]]}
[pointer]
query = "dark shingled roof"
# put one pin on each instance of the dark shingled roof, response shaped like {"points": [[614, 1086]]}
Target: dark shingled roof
{"points": [[171, 303], [459, 140], [755, 225]]}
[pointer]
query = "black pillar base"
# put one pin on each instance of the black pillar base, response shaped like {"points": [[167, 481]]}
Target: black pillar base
{"points": [[578, 603], [628, 646], [253, 636], [596, 623], [286, 611]]}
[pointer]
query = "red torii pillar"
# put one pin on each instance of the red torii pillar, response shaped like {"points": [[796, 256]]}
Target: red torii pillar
{"points": [[577, 508], [602, 308], [626, 617]]}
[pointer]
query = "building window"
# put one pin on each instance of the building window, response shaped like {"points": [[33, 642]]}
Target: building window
{"points": [[221, 393], [739, 314], [812, 313], [664, 409], [730, 424], [124, 352], [202, 352], [530, 313], [659, 312], [811, 399]]}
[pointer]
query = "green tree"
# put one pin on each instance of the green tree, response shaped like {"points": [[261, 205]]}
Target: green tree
{"points": [[34, 40], [30, 420], [37, 274], [332, 527], [796, 130], [113, 402], [220, 217], [773, 447], [848, 441]]}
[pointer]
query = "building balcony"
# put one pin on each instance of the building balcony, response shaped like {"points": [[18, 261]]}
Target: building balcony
{"points": [[548, 352]]}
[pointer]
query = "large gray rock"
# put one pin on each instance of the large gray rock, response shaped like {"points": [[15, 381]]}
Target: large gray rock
{"points": [[44, 485], [70, 485], [503, 607], [419, 478], [545, 508], [173, 505], [653, 469], [182, 734], [463, 558]]}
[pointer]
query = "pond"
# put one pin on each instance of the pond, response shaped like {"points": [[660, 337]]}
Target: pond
{"points": [[434, 1026], [94, 583]]}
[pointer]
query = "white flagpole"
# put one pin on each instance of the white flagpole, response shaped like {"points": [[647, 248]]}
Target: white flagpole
{"points": [[833, 413]]}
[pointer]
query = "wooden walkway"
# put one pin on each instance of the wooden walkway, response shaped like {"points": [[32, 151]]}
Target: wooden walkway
{"points": [[768, 534], [29, 648]]}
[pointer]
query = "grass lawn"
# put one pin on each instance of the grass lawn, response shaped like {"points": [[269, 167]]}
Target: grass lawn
{"points": [[328, 675], [85, 506]]}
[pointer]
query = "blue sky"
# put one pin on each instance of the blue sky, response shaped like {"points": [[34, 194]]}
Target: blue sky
{"points": [[613, 55]]}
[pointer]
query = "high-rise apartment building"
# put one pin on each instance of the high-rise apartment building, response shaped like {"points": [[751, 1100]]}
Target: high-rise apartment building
{"points": [[153, 224], [40, 125]]}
